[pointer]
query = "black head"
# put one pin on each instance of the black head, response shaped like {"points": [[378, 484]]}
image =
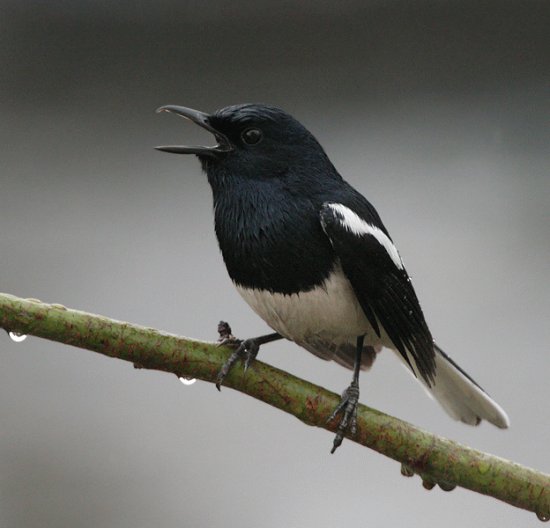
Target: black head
{"points": [[253, 141]]}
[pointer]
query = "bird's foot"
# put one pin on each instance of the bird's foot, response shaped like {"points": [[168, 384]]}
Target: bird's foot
{"points": [[247, 350], [348, 408]]}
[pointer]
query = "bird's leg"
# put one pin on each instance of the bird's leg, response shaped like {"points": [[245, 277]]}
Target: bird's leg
{"points": [[247, 349], [349, 401]]}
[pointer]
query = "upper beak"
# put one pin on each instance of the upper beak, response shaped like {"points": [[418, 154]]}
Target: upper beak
{"points": [[203, 120]]}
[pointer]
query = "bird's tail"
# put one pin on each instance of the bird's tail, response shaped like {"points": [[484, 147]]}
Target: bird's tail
{"points": [[461, 397]]}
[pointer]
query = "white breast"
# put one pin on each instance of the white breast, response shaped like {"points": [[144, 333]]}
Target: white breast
{"points": [[329, 312]]}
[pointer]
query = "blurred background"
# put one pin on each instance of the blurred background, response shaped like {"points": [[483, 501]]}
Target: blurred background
{"points": [[436, 111]]}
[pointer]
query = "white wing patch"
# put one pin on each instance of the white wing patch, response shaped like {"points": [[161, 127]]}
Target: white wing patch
{"points": [[356, 225]]}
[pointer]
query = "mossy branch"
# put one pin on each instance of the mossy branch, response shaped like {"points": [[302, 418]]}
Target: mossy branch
{"points": [[435, 459]]}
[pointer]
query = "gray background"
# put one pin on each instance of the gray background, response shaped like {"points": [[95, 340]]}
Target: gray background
{"points": [[435, 111]]}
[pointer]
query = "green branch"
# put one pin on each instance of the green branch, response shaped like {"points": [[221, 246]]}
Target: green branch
{"points": [[435, 459]]}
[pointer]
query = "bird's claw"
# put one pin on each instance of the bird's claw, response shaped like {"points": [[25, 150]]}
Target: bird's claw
{"points": [[247, 350], [348, 408], [226, 337]]}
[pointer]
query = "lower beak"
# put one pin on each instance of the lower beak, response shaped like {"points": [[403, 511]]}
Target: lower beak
{"points": [[203, 120]]}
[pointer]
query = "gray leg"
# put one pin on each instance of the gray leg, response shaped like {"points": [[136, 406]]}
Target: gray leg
{"points": [[349, 401]]}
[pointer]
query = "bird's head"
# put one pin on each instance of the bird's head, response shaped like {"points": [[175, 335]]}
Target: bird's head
{"points": [[253, 141]]}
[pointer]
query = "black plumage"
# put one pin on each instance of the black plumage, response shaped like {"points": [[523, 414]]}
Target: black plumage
{"points": [[312, 257]]}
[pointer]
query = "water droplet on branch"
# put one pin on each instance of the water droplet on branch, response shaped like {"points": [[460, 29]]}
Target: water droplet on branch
{"points": [[17, 338], [187, 381]]}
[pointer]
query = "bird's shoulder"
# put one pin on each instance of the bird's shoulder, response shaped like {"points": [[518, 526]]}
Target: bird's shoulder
{"points": [[349, 199], [362, 243]]}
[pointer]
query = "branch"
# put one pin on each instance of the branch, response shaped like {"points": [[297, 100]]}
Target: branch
{"points": [[435, 459]]}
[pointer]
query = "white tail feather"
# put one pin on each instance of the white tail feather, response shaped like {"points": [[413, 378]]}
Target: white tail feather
{"points": [[461, 397]]}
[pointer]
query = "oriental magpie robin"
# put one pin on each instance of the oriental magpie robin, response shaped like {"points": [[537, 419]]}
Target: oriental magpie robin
{"points": [[313, 259]]}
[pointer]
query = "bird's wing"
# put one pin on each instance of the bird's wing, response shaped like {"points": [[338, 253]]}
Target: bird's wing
{"points": [[372, 264]]}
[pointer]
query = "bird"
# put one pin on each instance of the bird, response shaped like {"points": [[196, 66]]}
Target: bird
{"points": [[312, 258]]}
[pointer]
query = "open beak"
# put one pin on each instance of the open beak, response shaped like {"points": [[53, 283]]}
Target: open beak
{"points": [[203, 120]]}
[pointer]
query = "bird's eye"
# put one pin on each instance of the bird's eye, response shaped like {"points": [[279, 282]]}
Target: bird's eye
{"points": [[252, 136]]}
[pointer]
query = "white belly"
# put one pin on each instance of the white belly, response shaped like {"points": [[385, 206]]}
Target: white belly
{"points": [[329, 313]]}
